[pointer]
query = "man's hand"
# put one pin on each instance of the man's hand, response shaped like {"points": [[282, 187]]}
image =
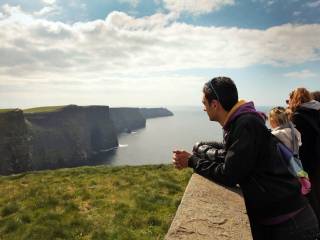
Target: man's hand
{"points": [[180, 159]]}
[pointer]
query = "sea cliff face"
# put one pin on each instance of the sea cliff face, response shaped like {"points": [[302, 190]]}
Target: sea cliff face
{"points": [[15, 142], [155, 112], [127, 119], [64, 136], [70, 136]]}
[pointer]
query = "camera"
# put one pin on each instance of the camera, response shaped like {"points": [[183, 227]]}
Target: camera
{"points": [[209, 151]]}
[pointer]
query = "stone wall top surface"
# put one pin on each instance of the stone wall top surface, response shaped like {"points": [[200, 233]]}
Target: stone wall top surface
{"points": [[210, 211]]}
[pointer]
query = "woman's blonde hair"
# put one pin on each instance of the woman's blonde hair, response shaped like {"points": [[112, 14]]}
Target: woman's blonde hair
{"points": [[279, 115], [298, 97]]}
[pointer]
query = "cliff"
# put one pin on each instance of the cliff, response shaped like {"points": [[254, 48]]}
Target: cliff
{"points": [[127, 119], [15, 142], [64, 136], [70, 136], [155, 112]]}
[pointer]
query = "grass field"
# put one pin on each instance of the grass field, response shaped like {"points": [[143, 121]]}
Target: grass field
{"points": [[91, 203], [6, 110], [42, 109]]}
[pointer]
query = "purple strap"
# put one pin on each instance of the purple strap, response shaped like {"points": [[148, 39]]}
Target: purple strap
{"points": [[281, 218]]}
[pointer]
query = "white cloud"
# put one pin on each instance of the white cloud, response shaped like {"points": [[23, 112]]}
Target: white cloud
{"points": [[124, 43], [133, 3], [51, 8], [15, 14], [145, 50], [122, 21], [196, 7], [301, 74], [49, 2], [270, 3], [314, 4], [46, 11], [296, 13]]}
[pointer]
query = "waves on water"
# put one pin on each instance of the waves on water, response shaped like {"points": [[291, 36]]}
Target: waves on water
{"points": [[114, 148], [108, 149], [123, 145]]}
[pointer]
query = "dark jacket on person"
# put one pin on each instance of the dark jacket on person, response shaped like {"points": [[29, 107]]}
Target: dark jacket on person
{"points": [[307, 121], [253, 161]]}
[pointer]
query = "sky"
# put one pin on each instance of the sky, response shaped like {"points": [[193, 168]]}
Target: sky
{"points": [[157, 53]]}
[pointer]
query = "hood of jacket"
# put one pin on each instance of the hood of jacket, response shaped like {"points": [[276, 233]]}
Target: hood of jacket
{"points": [[242, 107], [313, 104]]}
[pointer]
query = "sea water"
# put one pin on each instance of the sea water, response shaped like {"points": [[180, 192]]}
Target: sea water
{"points": [[154, 143]]}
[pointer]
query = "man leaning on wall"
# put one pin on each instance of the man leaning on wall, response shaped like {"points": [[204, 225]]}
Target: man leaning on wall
{"points": [[276, 208]]}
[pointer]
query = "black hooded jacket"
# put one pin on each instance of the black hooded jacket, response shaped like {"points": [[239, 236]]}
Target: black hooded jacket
{"points": [[252, 160], [307, 121]]}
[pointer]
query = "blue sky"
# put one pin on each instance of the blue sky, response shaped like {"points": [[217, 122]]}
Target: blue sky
{"points": [[155, 52]]}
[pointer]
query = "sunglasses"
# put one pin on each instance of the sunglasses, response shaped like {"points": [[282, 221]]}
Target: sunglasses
{"points": [[213, 90], [278, 109]]}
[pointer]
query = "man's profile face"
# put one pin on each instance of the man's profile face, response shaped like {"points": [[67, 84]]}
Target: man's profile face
{"points": [[208, 108]]}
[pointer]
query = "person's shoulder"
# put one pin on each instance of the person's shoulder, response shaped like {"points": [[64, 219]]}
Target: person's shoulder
{"points": [[299, 114], [278, 132], [250, 120], [303, 114], [281, 132]]}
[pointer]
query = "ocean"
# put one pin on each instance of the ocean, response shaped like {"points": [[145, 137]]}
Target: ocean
{"points": [[155, 143]]}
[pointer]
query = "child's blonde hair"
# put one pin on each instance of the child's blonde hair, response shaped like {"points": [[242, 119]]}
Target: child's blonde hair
{"points": [[279, 115]]}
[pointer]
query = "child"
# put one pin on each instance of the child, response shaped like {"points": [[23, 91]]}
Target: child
{"points": [[282, 128]]}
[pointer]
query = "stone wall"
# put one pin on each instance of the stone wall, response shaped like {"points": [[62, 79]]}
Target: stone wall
{"points": [[209, 211]]}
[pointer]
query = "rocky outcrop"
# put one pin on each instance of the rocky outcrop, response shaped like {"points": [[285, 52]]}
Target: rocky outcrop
{"points": [[127, 119], [15, 142], [209, 211], [70, 136], [155, 112]]}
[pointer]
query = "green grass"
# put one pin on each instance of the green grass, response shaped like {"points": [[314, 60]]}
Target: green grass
{"points": [[43, 109], [6, 110], [91, 203]]}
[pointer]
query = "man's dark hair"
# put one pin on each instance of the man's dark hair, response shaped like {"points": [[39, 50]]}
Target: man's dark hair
{"points": [[316, 95], [222, 89]]}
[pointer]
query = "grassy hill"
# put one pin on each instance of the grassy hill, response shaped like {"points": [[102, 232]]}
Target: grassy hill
{"points": [[43, 109], [91, 203], [6, 110]]}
